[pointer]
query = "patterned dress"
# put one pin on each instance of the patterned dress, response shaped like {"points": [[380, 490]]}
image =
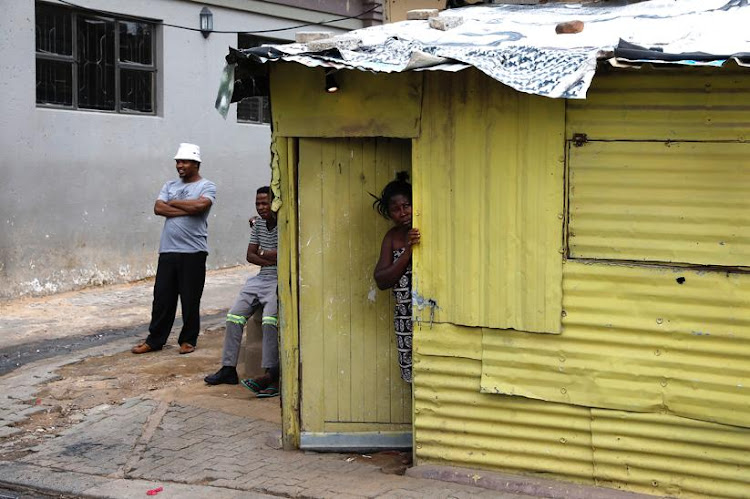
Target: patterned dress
{"points": [[402, 319]]}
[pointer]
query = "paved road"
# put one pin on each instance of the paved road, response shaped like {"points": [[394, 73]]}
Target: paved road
{"points": [[32, 329], [105, 308], [15, 356]]}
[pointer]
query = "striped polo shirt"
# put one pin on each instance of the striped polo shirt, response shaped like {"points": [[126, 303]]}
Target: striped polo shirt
{"points": [[267, 240]]}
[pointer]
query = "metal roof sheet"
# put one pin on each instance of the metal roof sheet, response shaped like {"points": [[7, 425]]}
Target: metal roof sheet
{"points": [[518, 45]]}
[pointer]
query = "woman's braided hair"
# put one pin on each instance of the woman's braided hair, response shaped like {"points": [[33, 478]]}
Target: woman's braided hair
{"points": [[400, 186]]}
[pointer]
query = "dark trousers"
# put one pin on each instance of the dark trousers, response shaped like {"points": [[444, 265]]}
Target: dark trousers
{"points": [[183, 275]]}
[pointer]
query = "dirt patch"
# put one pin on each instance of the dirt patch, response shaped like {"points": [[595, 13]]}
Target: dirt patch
{"points": [[97, 383], [391, 462], [165, 375]]}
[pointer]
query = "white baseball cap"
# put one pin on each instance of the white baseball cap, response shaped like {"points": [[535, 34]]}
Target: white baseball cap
{"points": [[188, 151]]}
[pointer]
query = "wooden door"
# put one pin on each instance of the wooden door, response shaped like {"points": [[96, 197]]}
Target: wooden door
{"points": [[351, 393]]}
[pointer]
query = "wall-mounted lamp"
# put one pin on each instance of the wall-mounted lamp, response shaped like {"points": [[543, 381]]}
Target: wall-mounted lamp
{"points": [[207, 22], [332, 85]]}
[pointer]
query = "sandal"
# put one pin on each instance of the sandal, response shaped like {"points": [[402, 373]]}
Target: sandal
{"points": [[271, 391], [256, 385]]}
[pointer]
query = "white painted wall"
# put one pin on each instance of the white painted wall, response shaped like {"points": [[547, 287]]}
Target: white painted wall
{"points": [[78, 187]]}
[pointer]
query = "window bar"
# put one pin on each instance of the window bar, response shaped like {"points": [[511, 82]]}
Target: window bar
{"points": [[116, 60], [154, 39], [74, 64]]}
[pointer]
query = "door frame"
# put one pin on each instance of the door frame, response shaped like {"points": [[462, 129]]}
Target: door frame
{"points": [[285, 175]]}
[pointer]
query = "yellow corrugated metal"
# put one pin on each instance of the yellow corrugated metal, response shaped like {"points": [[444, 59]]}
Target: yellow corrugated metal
{"points": [[650, 453], [349, 372], [674, 104], [488, 184], [655, 201], [455, 424], [448, 340], [636, 339], [667, 455]]}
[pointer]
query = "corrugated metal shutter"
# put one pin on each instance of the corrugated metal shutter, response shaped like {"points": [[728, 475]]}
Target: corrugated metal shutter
{"points": [[489, 196], [683, 202]]}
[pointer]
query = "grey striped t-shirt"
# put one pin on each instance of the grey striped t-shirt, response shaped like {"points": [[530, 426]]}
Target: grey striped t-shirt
{"points": [[267, 240]]}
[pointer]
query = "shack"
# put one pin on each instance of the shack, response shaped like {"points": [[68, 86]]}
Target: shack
{"points": [[581, 292]]}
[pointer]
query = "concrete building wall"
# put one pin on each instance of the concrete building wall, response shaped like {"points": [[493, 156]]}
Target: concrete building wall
{"points": [[76, 200]]}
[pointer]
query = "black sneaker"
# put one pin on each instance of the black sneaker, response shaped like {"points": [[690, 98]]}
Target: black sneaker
{"points": [[226, 375]]}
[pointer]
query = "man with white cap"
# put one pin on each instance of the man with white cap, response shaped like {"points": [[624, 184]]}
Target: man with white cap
{"points": [[185, 204]]}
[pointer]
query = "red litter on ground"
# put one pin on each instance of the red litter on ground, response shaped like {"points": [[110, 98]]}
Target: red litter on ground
{"points": [[155, 491]]}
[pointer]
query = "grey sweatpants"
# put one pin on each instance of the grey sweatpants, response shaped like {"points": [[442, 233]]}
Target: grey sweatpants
{"points": [[258, 291]]}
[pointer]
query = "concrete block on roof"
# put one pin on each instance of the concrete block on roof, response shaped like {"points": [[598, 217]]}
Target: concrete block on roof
{"points": [[308, 36], [444, 23], [348, 42], [339, 42], [421, 14], [320, 45]]}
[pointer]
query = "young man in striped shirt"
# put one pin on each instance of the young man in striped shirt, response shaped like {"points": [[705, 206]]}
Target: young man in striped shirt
{"points": [[259, 291]]}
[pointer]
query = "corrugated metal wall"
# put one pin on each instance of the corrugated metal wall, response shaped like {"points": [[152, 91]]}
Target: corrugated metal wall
{"points": [[490, 204], [648, 453], [671, 456], [705, 104], [456, 424], [633, 337]]}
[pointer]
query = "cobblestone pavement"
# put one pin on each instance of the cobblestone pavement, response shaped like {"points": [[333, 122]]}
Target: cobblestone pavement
{"points": [[101, 444], [159, 442]]}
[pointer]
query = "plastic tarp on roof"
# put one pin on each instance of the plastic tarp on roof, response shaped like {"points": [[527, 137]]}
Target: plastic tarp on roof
{"points": [[518, 46]]}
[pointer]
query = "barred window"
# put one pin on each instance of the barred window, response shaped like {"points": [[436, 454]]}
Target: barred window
{"points": [[254, 109], [86, 61]]}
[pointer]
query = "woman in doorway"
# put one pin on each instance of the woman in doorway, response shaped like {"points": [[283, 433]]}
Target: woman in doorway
{"points": [[393, 269]]}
